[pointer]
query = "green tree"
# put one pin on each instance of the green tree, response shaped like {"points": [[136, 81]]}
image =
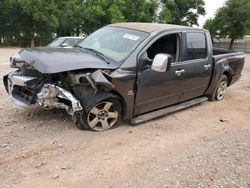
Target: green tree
{"points": [[37, 19], [13, 30], [233, 20], [29, 22], [211, 26], [69, 14], [42, 14], [181, 12], [248, 32], [98, 13], [140, 10]]}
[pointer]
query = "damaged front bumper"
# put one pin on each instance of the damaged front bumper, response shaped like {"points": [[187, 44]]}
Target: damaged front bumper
{"points": [[49, 95]]}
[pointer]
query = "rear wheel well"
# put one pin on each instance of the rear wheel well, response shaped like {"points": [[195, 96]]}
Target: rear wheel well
{"points": [[229, 77], [225, 75]]}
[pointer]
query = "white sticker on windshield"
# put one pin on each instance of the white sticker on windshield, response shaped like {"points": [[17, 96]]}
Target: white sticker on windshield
{"points": [[131, 37]]}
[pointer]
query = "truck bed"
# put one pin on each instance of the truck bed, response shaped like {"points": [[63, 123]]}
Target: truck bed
{"points": [[220, 51], [220, 54]]}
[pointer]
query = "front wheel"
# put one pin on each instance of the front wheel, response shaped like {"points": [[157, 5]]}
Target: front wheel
{"points": [[103, 115]]}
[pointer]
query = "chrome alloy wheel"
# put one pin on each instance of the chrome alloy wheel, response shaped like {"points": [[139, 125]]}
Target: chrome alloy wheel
{"points": [[102, 116], [221, 91]]}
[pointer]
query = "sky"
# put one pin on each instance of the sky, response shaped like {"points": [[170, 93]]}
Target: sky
{"points": [[211, 6]]}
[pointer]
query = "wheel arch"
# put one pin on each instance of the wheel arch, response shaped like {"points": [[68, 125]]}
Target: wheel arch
{"points": [[229, 77], [88, 97], [101, 96]]}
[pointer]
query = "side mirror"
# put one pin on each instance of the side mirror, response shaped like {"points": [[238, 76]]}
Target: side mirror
{"points": [[161, 63], [64, 45]]}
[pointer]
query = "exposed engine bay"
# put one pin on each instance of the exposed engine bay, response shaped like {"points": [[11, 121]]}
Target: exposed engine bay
{"points": [[27, 86]]}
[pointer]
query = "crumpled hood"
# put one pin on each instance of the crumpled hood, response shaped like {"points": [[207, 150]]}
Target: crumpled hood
{"points": [[55, 60]]}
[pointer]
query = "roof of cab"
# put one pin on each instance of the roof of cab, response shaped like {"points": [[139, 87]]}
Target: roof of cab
{"points": [[151, 27]]}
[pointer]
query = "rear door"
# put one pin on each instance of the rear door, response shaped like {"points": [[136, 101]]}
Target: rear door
{"points": [[196, 65]]}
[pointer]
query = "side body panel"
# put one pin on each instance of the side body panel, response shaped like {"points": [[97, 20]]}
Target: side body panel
{"points": [[124, 81], [231, 64], [157, 90]]}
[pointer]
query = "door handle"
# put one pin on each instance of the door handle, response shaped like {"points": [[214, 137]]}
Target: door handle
{"points": [[179, 72], [207, 66]]}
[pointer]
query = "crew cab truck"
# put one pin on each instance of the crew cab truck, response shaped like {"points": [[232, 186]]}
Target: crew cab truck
{"points": [[125, 71]]}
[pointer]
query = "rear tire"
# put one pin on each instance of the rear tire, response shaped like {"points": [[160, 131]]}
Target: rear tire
{"points": [[220, 90]]}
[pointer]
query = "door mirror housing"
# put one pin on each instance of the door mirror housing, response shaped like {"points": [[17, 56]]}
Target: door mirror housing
{"points": [[161, 63]]}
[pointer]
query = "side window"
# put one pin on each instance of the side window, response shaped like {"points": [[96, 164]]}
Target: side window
{"points": [[71, 42], [168, 44], [196, 46]]}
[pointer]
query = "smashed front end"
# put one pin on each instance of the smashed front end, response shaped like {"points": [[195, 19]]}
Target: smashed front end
{"points": [[28, 87], [46, 91]]}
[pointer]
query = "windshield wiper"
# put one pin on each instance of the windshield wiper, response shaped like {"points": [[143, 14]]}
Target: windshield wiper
{"points": [[99, 54]]}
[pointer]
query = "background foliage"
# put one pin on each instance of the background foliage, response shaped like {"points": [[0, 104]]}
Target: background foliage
{"points": [[231, 21], [32, 22]]}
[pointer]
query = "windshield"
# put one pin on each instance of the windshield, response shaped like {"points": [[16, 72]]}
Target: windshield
{"points": [[71, 41], [115, 43], [57, 42]]}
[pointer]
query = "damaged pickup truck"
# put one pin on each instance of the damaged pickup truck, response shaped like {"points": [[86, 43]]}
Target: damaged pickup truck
{"points": [[125, 71]]}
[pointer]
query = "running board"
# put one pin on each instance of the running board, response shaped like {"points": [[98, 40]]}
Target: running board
{"points": [[155, 114]]}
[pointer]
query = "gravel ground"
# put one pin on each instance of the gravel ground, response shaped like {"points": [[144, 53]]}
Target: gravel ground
{"points": [[204, 146]]}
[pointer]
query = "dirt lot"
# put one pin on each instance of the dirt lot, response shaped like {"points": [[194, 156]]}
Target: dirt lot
{"points": [[204, 146]]}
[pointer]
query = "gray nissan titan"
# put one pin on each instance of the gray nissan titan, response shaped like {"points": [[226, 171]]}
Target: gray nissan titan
{"points": [[125, 71]]}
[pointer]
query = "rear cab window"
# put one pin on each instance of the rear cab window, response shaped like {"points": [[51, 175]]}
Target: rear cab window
{"points": [[196, 46]]}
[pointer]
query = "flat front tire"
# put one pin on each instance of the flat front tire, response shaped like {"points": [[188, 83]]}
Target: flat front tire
{"points": [[103, 116]]}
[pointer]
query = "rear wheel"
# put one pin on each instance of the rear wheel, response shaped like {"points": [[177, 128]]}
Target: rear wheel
{"points": [[103, 115], [221, 88]]}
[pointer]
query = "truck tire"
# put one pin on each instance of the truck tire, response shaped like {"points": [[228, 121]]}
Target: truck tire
{"points": [[220, 90], [77, 119], [104, 115]]}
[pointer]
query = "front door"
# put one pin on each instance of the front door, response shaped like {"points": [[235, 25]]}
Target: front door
{"points": [[154, 89]]}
